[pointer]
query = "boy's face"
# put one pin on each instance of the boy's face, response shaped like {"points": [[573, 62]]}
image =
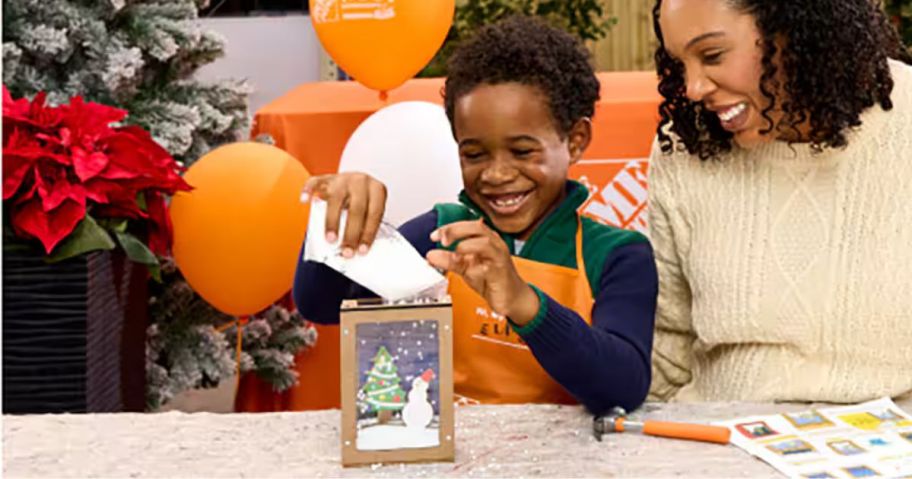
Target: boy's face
{"points": [[514, 160]]}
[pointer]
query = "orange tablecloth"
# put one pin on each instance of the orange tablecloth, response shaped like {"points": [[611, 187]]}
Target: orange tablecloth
{"points": [[313, 123]]}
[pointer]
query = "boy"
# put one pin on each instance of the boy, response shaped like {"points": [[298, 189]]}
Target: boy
{"points": [[579, 297]]}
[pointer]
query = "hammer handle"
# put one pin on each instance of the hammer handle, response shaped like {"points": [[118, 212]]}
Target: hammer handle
{"points": [[694, 432]]}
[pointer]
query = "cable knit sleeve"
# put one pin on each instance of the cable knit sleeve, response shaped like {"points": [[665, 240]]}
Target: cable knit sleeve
{"points": [[672, 356]]}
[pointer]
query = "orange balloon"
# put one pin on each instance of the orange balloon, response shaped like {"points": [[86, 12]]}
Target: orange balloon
{"points": [[382, 43], [238, 233]]}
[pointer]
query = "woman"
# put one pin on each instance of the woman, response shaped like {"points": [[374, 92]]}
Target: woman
{"points": [[778, 184]]}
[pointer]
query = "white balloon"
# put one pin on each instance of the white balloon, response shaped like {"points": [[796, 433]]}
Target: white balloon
{"points": [[410, 148]]}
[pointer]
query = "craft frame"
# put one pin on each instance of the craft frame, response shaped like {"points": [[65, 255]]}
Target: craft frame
{"points": [[355, 312]]}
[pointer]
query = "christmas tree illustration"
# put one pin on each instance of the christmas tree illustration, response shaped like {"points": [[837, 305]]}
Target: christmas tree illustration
{"points": [[381, 391]]}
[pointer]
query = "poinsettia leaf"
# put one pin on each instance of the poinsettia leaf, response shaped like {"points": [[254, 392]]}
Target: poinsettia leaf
{"points": [[135, 249], [30, 190], [61, 191], [88, 119], [13, 174], [87, 236], [12, 243], [113, 224], [51, 228], [14, 108], [155, 271], [88, 164], [20, 153], [141, 201]]}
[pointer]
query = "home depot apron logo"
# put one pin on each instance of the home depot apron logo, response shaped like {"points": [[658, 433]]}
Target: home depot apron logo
{"points": [[617, 191], [494, 328], [328, 11]]}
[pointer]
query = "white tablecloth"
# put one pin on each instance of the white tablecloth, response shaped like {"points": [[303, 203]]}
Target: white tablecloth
{"points": [[491, 441]]}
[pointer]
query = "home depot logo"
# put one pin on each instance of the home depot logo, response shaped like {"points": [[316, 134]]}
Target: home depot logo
{"points": [[328, 11], [617, 191]]}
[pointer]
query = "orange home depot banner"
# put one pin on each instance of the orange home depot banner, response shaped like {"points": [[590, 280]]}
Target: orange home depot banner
{"points": [[615, 164], [617, 191]]}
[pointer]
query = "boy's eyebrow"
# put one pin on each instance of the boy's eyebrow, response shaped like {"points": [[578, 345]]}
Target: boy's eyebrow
{"points": [[474, 141], [469, 141], [524, 138]]}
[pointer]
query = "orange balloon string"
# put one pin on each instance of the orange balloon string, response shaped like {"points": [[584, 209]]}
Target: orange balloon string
{"points": [[240, 323], [383, 95]]}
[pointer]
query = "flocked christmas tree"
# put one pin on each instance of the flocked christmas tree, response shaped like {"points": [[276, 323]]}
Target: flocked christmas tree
{"points": [[269, 344], [382, 392], [192, 345], [141, 56], [138, 55]]}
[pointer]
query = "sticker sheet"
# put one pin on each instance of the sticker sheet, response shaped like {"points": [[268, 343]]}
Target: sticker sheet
{"points": [[872, 439]]}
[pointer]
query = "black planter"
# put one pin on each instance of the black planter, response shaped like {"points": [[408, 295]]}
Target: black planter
{"points": [[73, 334]]}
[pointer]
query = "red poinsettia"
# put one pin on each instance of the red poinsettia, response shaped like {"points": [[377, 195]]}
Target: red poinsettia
{"points": [[66, 170]]}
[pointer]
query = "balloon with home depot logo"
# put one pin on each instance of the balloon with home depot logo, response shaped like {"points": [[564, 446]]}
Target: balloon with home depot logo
{"points": [[382, 43], [238, 233]]}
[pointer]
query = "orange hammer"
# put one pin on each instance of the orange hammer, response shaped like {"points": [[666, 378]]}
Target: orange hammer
{"points": [[616, 421]]}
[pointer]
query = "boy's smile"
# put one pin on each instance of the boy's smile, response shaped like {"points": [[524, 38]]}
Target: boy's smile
{"points": [[514, 159], [508, 203]]}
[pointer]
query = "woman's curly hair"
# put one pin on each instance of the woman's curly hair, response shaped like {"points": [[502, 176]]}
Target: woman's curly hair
{"points": [[834, 63], [525, 50]]}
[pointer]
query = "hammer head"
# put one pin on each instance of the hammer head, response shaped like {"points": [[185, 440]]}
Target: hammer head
{"points": [[606, 424]]}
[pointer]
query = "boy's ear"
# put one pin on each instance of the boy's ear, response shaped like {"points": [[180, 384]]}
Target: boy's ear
{"points": [[578, 138]]}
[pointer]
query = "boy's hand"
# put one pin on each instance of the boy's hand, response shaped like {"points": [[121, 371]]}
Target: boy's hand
{"points": [[484, 261], [365, 199]]}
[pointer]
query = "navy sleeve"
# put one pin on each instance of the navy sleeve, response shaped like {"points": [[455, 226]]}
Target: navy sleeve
{"points": [[607, 364], [319, 290]]}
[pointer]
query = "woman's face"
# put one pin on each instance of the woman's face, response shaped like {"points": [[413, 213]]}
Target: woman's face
{"points": [[721, 51]]}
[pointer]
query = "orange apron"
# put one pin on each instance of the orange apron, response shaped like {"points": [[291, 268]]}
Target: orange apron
{"points": [[491, 364]]}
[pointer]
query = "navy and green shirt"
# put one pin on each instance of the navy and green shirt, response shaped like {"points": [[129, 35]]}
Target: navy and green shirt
{"points": [[603, 365]]}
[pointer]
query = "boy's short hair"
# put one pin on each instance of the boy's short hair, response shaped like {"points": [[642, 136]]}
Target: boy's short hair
{"points": [[525, 50]]}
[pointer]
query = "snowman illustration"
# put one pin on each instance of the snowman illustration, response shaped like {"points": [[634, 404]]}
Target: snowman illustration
{"points": [[417, 413]]}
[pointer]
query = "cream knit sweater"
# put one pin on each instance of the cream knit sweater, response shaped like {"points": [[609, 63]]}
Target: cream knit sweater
{"points": [[787, 275]]}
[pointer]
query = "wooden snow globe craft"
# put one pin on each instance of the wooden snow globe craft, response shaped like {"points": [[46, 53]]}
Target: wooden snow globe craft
{"points": [[397, 381]]}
